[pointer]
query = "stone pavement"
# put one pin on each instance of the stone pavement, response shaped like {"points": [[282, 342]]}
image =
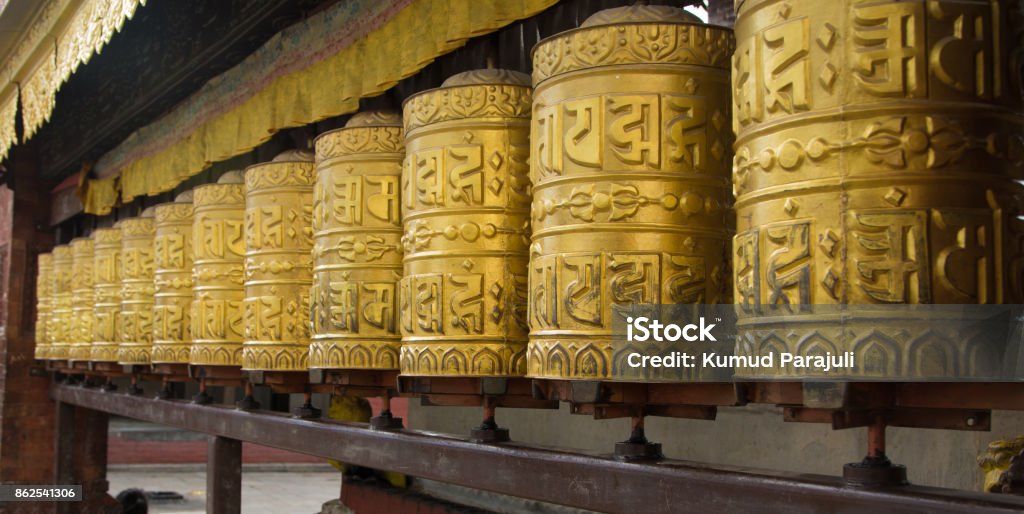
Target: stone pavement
{"points": [[288, 489]]}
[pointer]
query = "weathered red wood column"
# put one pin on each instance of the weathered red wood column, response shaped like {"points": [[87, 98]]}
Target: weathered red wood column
{"points": [[28, 424], [26, 411], [224, 475]]}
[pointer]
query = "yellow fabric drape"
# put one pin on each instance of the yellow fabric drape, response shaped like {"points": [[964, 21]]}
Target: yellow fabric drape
{"points": [[100, 196], [403, 45]]}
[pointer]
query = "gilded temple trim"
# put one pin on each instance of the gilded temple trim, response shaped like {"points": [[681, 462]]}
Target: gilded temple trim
{"points": [[630, 44]]}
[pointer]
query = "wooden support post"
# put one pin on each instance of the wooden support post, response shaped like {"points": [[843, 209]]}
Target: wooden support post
{"points": [[224, 476], [26, 411], [81, 459]]}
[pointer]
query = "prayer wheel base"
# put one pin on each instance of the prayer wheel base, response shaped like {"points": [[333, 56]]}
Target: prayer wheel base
{"points": [[386, 421], [307, 411], [279, 381], [172, 372], [108, 369], [606, 400], [247, 403], [630, 451], [365, 383], [489, 435], [874, 472], [507, 392], [224, 376]]}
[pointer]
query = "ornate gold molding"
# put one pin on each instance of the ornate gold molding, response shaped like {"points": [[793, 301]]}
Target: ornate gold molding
{"points": [[462, 102], [632, 43]]}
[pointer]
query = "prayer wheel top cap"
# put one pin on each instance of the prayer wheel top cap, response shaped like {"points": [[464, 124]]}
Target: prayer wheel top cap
{"points": [[471, 94], [148, 212], [640, 14], [375, 119], [486, 77], [184, 197], [232, 177], [328, 144], [619, 37], [293, 156]]}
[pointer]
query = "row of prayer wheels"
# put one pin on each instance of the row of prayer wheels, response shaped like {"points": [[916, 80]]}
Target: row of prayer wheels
{"points": [[490, 229]]}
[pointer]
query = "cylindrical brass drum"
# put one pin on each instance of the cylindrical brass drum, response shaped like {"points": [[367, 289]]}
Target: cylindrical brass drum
{"points": [[172, 300], [877, 149], [631, 194], [60, 318], [218, 289], [136, 289], [278, 265], [83, 299], [462, 300], [44, 293], [357, 255], [107, 284]]}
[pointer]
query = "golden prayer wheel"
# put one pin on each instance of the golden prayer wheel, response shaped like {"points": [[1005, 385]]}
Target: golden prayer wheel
{"points": [[172, 299], [44, 293], [137, 289], [877, 150], [107, 286], [60, 318], [278, 265], [357, 255], [462, 300], [631, 194], [219, 256], [83, 299]]}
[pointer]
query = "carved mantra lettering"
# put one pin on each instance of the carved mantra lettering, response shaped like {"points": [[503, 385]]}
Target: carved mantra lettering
{"points": [[346, 304], [349, 198], [621, 131], [577, 290], [169, 251], [895, 49], [452, 303], [217, 319], [219, 239], [447, 176], [892, 254]]}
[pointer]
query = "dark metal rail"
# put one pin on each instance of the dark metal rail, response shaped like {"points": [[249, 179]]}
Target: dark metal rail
{"points": [[574, 479]]}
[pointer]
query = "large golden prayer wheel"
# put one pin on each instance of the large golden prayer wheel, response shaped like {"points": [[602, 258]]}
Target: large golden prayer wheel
{"points": [[357, 255], [219, 256], [278, 265], [44, 300], [107, 285], [172, 299], [60, 319], [462, 300], [136, 343], [631, 194], [83, 299], [877, 149]]}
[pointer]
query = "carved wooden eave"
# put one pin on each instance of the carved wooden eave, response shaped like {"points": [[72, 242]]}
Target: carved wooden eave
{"points": [[61, 35]]}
